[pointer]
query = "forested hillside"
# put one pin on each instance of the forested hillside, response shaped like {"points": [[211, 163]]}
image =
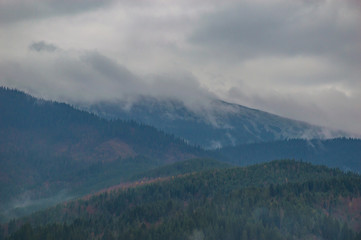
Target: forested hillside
{"points": [[277, 200], [343, 153], [51, 151]]}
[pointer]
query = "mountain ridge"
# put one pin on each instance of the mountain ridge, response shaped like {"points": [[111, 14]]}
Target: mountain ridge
{"points": [[211, 125]]}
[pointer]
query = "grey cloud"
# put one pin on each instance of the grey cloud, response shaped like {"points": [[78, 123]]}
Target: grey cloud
{"points": [[248, 29], [14, 11], [70, 76], [43, 46], [182, 86], [90, 76], [107, 67]]}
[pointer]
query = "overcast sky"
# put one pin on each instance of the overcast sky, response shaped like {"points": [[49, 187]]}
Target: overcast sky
{"points": [[300, 59]]}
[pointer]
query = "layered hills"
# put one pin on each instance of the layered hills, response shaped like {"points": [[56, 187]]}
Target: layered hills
{"points": [[51, 152]]}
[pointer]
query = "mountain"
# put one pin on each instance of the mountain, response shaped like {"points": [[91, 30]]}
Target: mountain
{"points": [[52, 151], [277, 200], [343, 153], [212, 125]]}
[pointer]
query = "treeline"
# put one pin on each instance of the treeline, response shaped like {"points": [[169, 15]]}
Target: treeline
{"points": [[280, 200]]}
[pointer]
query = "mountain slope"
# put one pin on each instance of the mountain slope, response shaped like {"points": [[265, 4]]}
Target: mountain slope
{"points": [[47, 148], [214, 125], [277, 200], [341, 152]]}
